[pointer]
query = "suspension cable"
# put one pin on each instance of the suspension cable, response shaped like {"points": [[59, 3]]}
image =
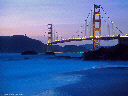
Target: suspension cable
{"points": [[111, 21]]}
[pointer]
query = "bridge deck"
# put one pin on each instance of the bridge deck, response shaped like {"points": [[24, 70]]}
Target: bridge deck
{"points": [[80, 39]]}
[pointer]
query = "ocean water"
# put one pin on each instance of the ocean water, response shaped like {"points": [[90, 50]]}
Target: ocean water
{"points": [[38, 75]]}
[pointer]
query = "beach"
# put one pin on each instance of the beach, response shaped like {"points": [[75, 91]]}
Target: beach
{"points": [[99, 82], [111, 81]]}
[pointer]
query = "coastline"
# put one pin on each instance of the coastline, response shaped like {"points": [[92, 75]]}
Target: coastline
{"points": [[117, 52], [111, 81]]}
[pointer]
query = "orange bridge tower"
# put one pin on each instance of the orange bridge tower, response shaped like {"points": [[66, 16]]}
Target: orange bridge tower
{"points": [[96, 26], [50, 38]]}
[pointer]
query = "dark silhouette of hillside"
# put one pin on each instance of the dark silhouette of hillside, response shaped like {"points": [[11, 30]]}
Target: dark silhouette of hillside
{"points": [[118, 52], [20, 43], [74, 48]]}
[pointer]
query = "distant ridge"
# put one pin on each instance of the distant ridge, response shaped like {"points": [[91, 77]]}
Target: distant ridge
{"points": [[20, 43]]}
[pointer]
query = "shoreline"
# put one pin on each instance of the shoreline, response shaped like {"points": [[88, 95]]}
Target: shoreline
{"points": [[111, 81], [117, 52]]}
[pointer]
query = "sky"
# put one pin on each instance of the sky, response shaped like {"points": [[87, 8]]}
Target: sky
{"points": [[30, 17]]}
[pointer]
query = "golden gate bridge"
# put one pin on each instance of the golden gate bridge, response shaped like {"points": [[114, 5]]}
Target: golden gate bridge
{"points": [[95, 22]]}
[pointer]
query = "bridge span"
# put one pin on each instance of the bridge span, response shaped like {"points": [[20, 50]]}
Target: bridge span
{"points": [[95, 30], [81, 39]]}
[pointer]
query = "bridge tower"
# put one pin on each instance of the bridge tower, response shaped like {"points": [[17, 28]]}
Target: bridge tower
{"points": [[50, 38], [96, 26]]}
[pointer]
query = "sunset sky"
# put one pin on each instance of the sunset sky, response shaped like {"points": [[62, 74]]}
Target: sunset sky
{"points": [[31, 16]]}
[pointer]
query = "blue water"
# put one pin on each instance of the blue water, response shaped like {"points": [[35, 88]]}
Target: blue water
{"points": [[30, 75]]}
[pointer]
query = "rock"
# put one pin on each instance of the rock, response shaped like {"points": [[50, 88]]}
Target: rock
{"points": [[29, 53]]}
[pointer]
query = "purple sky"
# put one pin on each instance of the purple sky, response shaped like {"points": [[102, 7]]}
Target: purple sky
{"points": [[31, 16]]}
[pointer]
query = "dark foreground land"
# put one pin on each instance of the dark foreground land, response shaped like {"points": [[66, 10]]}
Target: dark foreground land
{"points": [[98, 82], [118, 52]]}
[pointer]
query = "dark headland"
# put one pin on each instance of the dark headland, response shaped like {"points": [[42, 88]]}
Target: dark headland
{"points": [[118, 52]]}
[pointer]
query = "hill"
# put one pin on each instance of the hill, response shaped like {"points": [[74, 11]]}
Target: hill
{"points": [[20, 43], [118, 52]]}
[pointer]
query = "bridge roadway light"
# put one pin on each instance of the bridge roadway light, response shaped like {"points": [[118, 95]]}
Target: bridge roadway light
{"points": [[83, 37]]}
